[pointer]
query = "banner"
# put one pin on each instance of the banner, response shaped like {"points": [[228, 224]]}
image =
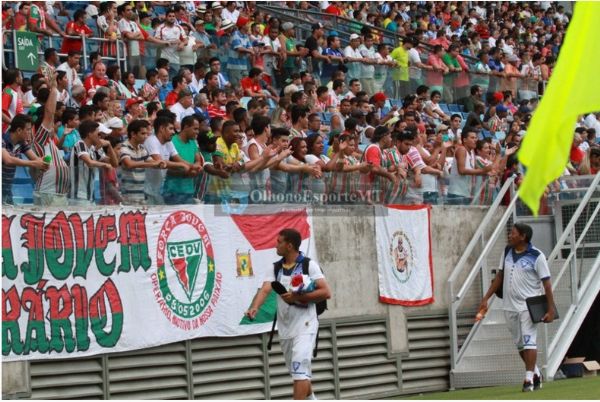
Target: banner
{"points": [[81, 283], [404, 254]]}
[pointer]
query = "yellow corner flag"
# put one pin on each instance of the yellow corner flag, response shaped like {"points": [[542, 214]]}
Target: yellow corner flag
{"points": [[574, 89]]}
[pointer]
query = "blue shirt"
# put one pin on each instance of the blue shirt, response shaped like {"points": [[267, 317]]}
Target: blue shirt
{"points": [[330, 68], [238, 61], [495, 65], [163, 91]]}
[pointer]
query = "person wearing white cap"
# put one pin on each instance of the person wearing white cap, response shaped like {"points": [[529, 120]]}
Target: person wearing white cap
{"points": [[174, 34], [352, 54]]}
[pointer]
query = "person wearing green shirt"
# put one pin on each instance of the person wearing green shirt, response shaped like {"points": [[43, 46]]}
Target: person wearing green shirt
{"points": [[179, 186], [400, 73], [450, 60]]}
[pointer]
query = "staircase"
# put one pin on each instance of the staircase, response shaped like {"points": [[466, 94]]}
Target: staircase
{"points": [[487, 356]]}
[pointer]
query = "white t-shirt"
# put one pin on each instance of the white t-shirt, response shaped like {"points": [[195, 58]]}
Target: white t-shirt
{"points": [[523, 274], [156, 177], [126, 25], [231, 16], [413, 59], [181, 112], [367, 70], [173, 33], [354, 68], [293, 321]]}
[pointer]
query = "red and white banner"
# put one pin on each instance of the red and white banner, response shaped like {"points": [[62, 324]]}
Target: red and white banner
{"points": [[78, 283], [404, 254]]}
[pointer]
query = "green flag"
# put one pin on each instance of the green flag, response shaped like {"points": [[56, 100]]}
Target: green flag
{"points": [[573, 89], [266, 312]]}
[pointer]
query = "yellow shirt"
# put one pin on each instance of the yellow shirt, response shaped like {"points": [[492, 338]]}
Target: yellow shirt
{"points": [[400, 55], [230, 155]]}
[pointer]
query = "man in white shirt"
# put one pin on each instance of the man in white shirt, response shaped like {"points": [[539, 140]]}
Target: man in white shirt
{"points": [[170, 32], [184, 106], [297, 323], [524, 273], [131, 32], [230, 12], [160, 148], [367, 71], [70, 67], [352, 54]]}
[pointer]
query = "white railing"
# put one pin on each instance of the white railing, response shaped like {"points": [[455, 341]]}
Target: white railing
{"points": [[455, 299], [584, 286]]}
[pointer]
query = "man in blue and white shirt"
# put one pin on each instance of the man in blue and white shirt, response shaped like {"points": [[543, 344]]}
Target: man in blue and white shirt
{"points": [[524, 273]]}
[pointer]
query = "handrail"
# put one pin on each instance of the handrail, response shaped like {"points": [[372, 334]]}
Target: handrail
{"points": [[383, 31], [456, 355], [581, 297], [575, 246], [480, 230], [577, 212], [453, 301]]}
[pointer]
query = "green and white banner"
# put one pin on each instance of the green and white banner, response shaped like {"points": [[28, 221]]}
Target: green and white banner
{"points": [[81, 283]]}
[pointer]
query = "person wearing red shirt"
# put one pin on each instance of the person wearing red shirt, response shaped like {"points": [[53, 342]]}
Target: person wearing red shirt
{"points": [[179, 84], [217, 107], [334, 9], [251, 84], [21, 17], [76, 27], [97, 78]]}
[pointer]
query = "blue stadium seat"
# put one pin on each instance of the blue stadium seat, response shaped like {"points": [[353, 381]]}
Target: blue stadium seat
{"points": [[464, 115], [22, 176], [23, 193], [444, 108], [453, 108], [327, 118]]}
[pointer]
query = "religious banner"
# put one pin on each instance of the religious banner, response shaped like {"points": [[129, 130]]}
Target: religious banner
{"points": [[404, 254], [82, 283]]}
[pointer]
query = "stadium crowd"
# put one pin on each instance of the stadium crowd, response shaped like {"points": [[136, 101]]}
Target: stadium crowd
{"points": [[219, 101]]}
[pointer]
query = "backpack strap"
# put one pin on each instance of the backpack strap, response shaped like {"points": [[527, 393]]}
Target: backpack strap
{"points": [[277, 266], [305, 263]]}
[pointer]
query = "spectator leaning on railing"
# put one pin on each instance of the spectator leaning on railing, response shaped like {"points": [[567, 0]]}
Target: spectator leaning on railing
{"points": [[224, 80]]}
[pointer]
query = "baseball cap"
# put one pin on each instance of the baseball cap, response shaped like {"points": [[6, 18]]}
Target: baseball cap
{"points": [[354, 36], [316, 26], [241, 21], [132, 101], [216, 5], [379, 97], [114, 122], [104, 129]]}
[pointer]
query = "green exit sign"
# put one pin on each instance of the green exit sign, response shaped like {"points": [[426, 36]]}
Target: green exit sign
{"points": [[27, 51]]}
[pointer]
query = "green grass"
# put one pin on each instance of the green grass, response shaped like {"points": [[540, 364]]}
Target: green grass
{"points": [[574, 388]]}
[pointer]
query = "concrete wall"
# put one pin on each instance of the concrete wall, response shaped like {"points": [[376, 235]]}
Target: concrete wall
{"points": [[348, 255]]}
